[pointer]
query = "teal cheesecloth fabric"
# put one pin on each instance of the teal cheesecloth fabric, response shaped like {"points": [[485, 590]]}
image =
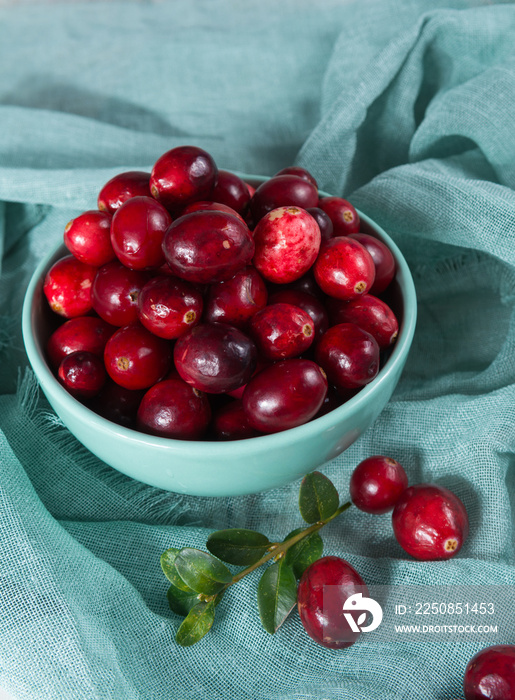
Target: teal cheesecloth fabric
{"points": [[404, 107]]}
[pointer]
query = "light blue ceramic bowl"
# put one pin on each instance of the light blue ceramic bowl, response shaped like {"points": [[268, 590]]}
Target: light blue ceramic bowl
{"points": [[222, 468]]}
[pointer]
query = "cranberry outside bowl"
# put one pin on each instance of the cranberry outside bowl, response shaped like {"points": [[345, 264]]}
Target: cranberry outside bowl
{"points": [[207, 468]]}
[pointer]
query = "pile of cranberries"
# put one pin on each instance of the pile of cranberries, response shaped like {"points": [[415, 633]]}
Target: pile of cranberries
{"points": [[199, 308]]}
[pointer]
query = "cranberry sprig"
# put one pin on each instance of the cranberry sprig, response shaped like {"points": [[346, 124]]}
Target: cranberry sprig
{"points": [[429, 522], [199, 579]]}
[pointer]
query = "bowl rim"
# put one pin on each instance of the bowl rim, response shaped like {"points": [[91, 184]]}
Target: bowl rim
{"points": [[247, 446]]}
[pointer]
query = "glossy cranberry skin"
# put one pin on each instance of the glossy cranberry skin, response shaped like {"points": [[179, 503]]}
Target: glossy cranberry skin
{"points": [[324, 222], [81, 333], [82, 374], [371, 314], [344, 217], [88, 238], [284, 395], [231, 191], [382, 256], [377, 484], [136, 358], [67, 287], [231, 423], [208, 246], [183, 175], [323, 589], [174, 409], [236, 300], [490, 674], [349, 356], [215, 357], [137, 233], [115, 293], [169, 306], [122, 187], [117, 404], [281, 331], [283, 191], [308, 303], [299, 172], [430, 522], [344, 269], [287, 244], [211, 206]]}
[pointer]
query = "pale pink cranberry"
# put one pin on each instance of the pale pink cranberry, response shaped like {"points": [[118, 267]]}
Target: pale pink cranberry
{"points": [[287, 243]]}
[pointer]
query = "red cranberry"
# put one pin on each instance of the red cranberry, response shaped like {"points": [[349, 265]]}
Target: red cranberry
{"points": [[117, 404], [231, 423], [211, 206], [137, 233], [324, 222], [323, 590], [430, 522], [121, 188], [490, 674], [215, 357], [349, 356], [81, 333], [231, 191], [236, 300], [250, 189], [115, 293], [168, 306], [281, 331], [174, 409], [382, 256], [299, 172], [82, 374], [135, 358], [344, 269], [344, 217], [183, 175], [308, 303], [283, 191], [367, 312], [287, 244], [88, 238], [208, 246], [67, 287], [376, 484], [284, 395]]}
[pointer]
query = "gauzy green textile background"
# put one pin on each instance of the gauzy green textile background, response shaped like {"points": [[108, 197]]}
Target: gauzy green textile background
{"points": [[410, 114]]}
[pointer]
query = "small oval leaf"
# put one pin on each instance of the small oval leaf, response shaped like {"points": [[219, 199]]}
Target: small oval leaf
{"points": [[318, 497], [303, 553], [361, 619], [181, 602], [238, 546], [277, 595], [196, 624], [201, 571], [168, 563]]}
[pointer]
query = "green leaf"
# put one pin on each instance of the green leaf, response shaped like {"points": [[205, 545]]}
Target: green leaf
{"points": [[238, 546], [318, 498], [168, 565], [180, 601], [196, 624], [277, 595], [201, 571], [304, 552]]}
